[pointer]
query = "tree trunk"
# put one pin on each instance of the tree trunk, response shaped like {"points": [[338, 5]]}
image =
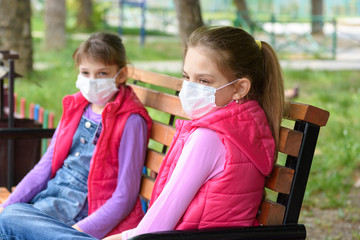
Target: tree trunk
{"points": [[15, 32], [188, 13], [317, 17], [243, 10], [85, 12], [55, 12]]}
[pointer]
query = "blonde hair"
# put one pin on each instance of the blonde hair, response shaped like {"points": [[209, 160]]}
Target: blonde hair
{"points": [[105, 47], [237, 55]]}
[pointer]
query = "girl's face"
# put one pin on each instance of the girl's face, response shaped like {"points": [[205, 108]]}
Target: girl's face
{"points": [[199, 67], [96, 69]]}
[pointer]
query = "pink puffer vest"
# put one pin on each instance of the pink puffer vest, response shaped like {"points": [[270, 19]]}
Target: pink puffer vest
{"points": [[233, 197]]}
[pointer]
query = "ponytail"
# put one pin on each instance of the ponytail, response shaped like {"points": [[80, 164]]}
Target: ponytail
{"points": [[272, 99]]}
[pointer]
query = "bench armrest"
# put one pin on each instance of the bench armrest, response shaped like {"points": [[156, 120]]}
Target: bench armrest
{"points": [[278, 232]]}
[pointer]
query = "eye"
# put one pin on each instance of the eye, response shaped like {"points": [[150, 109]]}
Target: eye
{"points": [[185, 77], [102, 74], [84, 73], [203, 81]]}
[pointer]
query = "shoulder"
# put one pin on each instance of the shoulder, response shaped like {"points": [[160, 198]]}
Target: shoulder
{"points": [[204, 152], [204, 133], [205, 138], [135, 121]]}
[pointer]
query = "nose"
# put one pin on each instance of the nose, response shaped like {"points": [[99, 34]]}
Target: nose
{"points": [[92, 76], [192, 79]]}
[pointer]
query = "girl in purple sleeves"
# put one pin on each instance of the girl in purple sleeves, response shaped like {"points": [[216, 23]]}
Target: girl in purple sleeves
{"points": [[92, 168]]}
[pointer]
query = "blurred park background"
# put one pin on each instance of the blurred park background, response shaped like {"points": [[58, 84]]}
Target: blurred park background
{"points": [[317, 41]]}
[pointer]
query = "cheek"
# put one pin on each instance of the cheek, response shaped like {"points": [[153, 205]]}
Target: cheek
{"points": [[223, 97], [119, 81]]}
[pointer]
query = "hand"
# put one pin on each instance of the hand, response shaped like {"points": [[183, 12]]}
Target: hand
{"points": [[114, 237], [1, 209], [77, 228]]}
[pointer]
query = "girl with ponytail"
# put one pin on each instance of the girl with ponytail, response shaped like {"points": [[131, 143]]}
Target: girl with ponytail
{"points": [[214, 173]]}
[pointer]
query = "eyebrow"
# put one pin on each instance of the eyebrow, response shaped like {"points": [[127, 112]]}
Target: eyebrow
{"points": [[201, 74], [101, 69]]}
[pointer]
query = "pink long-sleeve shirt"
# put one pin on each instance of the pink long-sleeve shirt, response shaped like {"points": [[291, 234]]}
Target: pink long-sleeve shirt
{"points": [[202, 158], [123, 199]]}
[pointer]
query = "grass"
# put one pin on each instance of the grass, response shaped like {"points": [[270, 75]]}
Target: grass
{"points": [[338, 152], [337, 155]]}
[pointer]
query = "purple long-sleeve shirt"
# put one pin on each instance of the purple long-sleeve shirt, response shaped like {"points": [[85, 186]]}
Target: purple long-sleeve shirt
{"points": [[131, 154]]}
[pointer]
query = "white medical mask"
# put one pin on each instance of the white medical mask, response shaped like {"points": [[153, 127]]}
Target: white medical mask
{"points": [[198, 100], [98, 91]]}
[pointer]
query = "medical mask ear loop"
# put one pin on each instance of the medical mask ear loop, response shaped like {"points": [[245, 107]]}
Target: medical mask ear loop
{"points": [[226, 86], [116, 77]]}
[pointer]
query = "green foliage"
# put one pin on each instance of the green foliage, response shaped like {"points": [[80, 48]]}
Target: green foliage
{"points": [[37, 22], [338, 150]]}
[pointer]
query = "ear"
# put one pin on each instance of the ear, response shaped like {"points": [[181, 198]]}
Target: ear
{"points": [[121, 77], [242, 88]]}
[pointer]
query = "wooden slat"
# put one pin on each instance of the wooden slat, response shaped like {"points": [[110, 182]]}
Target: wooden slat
{"points": [[161, 101], [153, 160], [162, 133], [155, 78], [308, 113], [4, 194], [271, 213], [290, 141], [280, 179], [147, 185]]}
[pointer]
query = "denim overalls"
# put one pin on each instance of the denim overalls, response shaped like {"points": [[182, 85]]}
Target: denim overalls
{"points": [[65, 197]]}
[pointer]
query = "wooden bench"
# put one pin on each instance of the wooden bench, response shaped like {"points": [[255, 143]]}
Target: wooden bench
{"points": [[285, 187]]}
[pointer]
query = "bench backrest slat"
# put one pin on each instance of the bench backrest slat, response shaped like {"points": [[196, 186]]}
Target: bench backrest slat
{"points": [[272, 213], [280, 179], [155, 78], [161, 101], [153, 160], [307, 113], [292, 141], [162, 133], [147, 184]]}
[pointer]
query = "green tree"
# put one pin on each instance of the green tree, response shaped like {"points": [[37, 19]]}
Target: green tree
{"points": [[241, 6], [189, 17], [55, 13], [317, 17], [15, 32], [84, 15]]}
